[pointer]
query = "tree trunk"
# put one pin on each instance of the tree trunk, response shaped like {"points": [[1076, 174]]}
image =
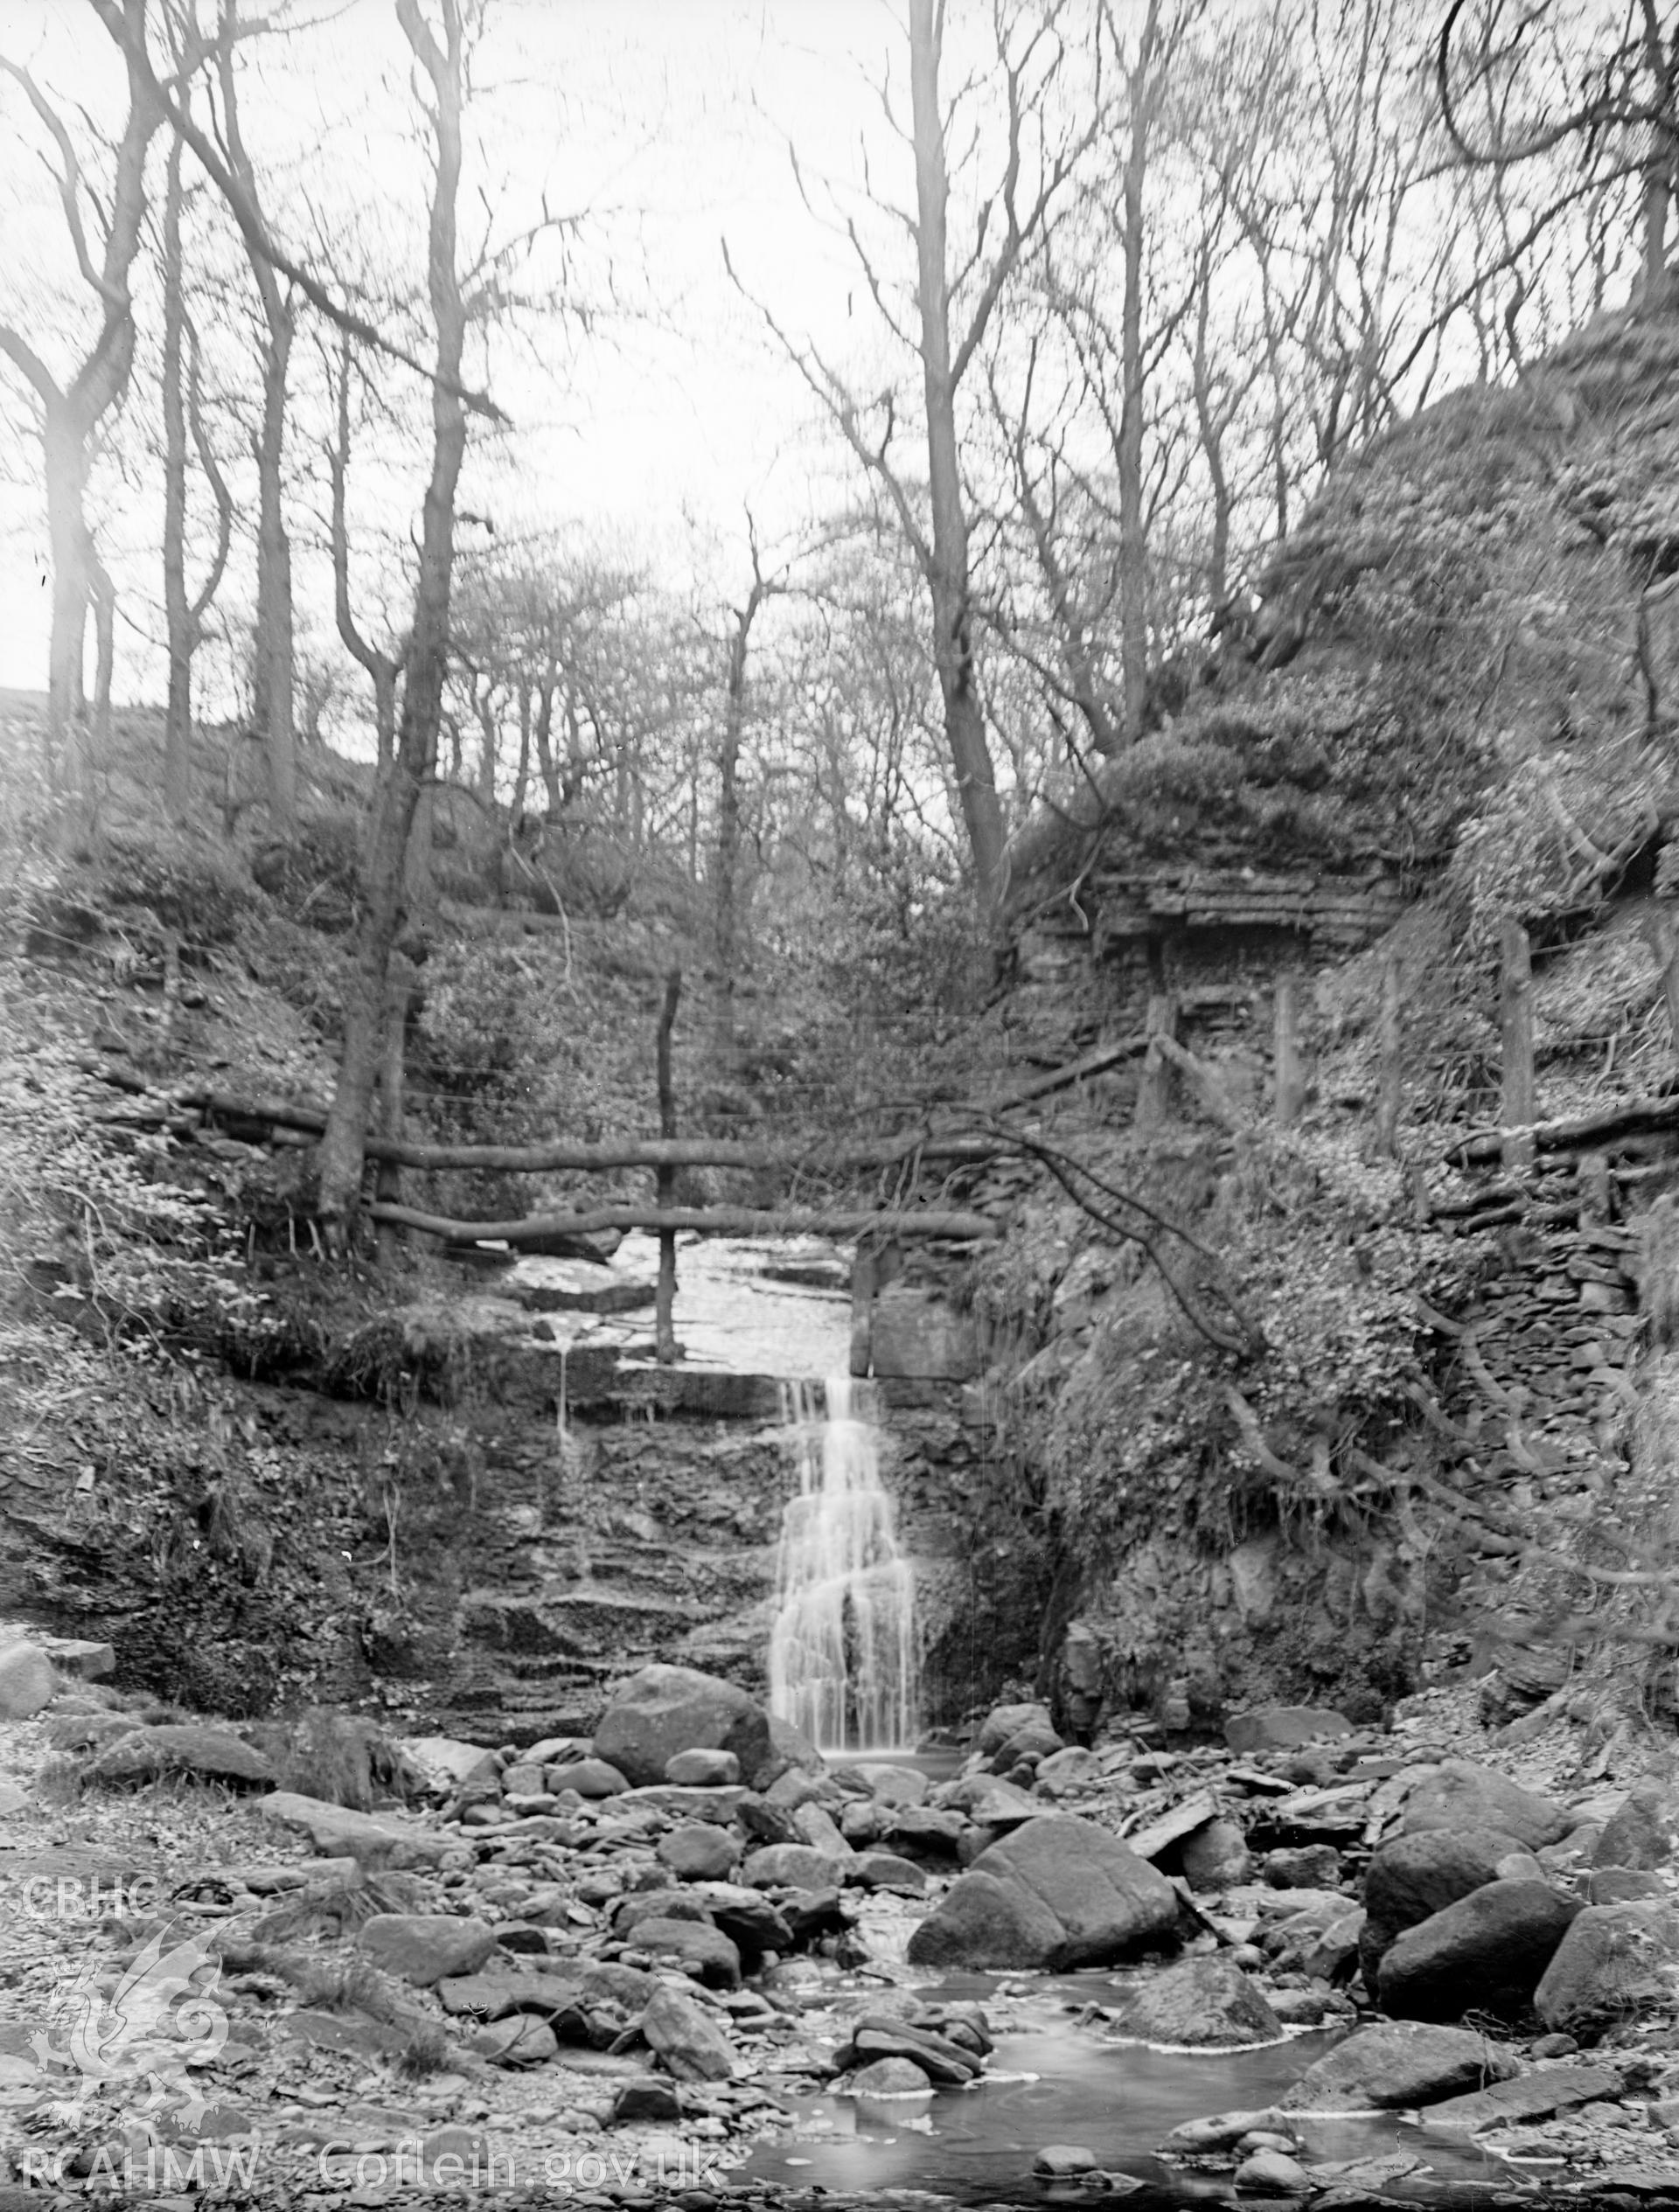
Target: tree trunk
{"points": [[177, 713], [415, 760], [729, 808], [947, 573], [66, 448], [1133, 545], [273, 683]]}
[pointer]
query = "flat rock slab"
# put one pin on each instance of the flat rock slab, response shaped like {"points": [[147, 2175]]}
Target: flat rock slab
{"points": [[378, 1838], [718, 1805], [1283, 1727], [1529, 2096], [1397, 2065]]}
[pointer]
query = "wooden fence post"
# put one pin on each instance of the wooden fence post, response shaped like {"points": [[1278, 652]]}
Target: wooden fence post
{"points": [[1290, 1074], [1515, 1033], [1659, 934], [666, 1350], [1157, 1087], [1390, 1095]]}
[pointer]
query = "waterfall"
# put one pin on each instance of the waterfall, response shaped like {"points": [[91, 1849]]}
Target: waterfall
{"points": [[842, 1652]]}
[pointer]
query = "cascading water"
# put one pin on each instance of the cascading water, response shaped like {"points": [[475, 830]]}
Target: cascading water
{"points": [[842, 1653]]}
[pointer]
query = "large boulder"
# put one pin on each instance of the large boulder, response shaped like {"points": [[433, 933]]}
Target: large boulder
{"points": [[1106, 1903], [1614, 1960], [983, 1922], [1202, 2002], [184, 1748], [1398, 2064], [700, 1948], [1006, 1720], [1643, 1831], [700, 1851], [1460, 1795], [666, 1709], [1411, 1877], [1484, 1953], [27, 1681]]}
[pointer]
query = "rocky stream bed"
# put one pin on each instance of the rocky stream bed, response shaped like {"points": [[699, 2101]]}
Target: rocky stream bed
{"points": [[687, 1959]]}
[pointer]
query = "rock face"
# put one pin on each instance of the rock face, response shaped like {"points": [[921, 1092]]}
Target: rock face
{"points": [[1202, 2002], [665, 1710], [1486, 1953], [1400, 2064], [1643, 1832], [1613, 1960], [1059, 1892], [1458, 1795]]}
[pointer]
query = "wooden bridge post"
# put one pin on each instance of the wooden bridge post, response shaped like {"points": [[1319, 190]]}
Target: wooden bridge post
{"points": [[1290, 1071], [1157, 1086], [666, 1350], [1390, 1093], [1517, 1111]]}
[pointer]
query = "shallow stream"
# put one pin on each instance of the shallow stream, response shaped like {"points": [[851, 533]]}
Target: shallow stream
{"points": [[1052, 2080]]}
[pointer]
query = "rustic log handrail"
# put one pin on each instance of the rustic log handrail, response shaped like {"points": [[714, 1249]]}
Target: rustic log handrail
{"points": [[1631, 1118], [707, 1221]]}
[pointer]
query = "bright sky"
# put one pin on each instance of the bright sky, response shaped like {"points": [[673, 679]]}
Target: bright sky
{"points": [[670, 117]]}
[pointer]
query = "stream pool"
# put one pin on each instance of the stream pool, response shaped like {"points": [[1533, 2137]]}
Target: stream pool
{"points": [[1055, 2081]]}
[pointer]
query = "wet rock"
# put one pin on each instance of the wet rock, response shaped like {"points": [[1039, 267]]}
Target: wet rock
{"points": [[888, 2077], [797, 1787], [928, 1828], [644, 2100], [1643, 1831], [703, 1770], [1414, 1875], [813, 1913], [1538, 2096], [1397, 2064], [1614, 1959], [1272, 2173], [1201, 2001], [698, 1946], [1459, 1795], [147, 1754], [520, 2039], [1332, 1953], [1060, 2161], [793, 1749], [721, 1806], [686, 2038], [788, 1866], [425, 1948], [946, 2065], [1006, 1720], [1311, 1865], [666, 1709], [1217, 2131], [1104, 1903], [1484, 1953], [990, 1802], [1282, 1728], [700, 1852], [27, 1681], [1215, 1857], [885, 1870], [862, 1821]]}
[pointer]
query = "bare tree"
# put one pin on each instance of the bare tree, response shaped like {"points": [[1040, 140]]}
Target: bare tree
{"points": [[183, 410], [72, 409], [441, 59], [954, 305]]}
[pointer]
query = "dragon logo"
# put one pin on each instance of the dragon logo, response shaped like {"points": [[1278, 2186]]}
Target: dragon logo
{"points": [[134, 2044]]}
